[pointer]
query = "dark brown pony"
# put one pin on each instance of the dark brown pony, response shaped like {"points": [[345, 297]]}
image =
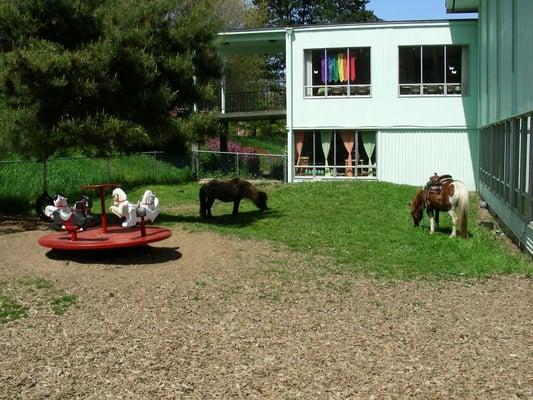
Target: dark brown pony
{"points": [[232, 190], [452, 195]]}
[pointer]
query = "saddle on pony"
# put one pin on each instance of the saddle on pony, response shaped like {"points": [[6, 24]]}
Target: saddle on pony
{"points": [[435, 184]]}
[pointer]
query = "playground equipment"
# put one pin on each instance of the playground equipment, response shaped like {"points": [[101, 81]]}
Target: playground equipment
{"points": [[72, 238]]}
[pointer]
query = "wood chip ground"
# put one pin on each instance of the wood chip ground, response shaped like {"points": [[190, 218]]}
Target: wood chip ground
{"points": [[205, 316]]}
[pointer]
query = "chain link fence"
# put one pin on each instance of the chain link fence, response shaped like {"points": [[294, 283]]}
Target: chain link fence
{"points": [[220, 164], [22, 181]]}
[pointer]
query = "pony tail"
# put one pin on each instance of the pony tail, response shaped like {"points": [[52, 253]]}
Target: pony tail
{"points": [[203, 201], [463, 204]]}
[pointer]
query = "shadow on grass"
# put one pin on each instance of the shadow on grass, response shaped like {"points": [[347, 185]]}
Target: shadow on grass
{"points": [[447, 231], [126, 256], [242, 219]]}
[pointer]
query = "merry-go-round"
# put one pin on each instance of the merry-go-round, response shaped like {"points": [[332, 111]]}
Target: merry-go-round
{"points": [[77, 230]]}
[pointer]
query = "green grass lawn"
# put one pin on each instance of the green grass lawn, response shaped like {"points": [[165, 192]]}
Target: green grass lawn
{"points": [[365, 227]]}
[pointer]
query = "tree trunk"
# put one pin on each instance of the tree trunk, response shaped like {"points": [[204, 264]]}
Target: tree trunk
{"points": [[224, 136]]}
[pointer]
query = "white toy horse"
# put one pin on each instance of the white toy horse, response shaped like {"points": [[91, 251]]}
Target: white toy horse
{"points": [[61, 205], [148, 206], [122, 208]]}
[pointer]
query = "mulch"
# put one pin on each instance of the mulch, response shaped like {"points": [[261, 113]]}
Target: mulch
{"points": [[202, 315]]}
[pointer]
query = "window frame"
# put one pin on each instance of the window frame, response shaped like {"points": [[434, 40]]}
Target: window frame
{"points": [[347, 87], [445, 86], [313, 168]]}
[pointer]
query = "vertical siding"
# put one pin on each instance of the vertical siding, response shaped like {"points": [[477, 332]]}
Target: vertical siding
{"points": [[505, 34], [410, 157], [523, 49], [505, 91]]}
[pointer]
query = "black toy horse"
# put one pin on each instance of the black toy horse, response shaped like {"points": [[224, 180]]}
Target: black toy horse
{"points": [[79, 215]]}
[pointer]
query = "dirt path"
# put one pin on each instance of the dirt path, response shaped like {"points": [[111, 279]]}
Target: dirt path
{"points": [[220, 317]]}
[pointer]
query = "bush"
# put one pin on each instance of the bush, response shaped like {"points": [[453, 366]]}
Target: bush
{"points": [[249, 163]]}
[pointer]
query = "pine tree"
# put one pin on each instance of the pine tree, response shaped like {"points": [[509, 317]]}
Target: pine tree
{"points": [[309, 12], [104, 75]]}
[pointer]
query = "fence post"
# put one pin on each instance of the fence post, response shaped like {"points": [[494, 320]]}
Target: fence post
{"points": [[197, 164], [194, 159], [285, 167], [237, 162], [45, 174], [108, 168]]}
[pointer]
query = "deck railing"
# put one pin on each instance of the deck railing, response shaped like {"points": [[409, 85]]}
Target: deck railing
{"points": [[255, 100]]}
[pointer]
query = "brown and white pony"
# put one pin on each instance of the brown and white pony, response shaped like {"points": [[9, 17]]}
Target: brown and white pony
{"points": [[452, 197], [226, 191]]}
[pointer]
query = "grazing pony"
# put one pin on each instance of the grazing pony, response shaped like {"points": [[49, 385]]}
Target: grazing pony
{"points": [[451, 196], [232, 190]]}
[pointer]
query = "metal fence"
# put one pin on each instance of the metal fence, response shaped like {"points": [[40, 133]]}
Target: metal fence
{"points": [[22, 181], [214, 164], [156, 166]]}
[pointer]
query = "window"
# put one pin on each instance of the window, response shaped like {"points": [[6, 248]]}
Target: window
{"points": [[335, 153], [337, 72], [431, 70], [506, 165]]}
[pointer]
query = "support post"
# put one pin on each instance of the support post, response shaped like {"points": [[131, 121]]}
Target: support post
{"points": [[223, 91], [194, 159], [143, 227]]}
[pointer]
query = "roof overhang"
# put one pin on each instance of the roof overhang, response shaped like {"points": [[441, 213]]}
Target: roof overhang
{"points": [[462, 6], [267, 41]]}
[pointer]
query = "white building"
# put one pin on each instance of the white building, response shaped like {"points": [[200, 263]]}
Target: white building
{"points": [[398, 101], [392, 101]]}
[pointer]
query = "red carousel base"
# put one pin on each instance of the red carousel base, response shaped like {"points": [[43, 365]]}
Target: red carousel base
{"points": [[95, 239]]}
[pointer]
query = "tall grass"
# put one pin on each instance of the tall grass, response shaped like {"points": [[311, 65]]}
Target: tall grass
{"points": [[22, 182]]}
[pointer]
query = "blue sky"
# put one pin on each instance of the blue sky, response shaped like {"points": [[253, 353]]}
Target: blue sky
{"points": [[399, 10]]}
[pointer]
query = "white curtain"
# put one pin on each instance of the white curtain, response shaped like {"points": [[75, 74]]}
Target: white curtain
{"points": [[369, 143], [325, 137]]}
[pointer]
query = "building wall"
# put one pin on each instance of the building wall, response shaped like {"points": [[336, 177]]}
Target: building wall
{"points": [[385, 109], [506, 45], [521, 231], [505, 112], [411, 156], [417, 136]]}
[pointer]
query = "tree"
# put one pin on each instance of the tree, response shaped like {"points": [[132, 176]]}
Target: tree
{"points": [[104, 75], [231, 12], [307, 12]]}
